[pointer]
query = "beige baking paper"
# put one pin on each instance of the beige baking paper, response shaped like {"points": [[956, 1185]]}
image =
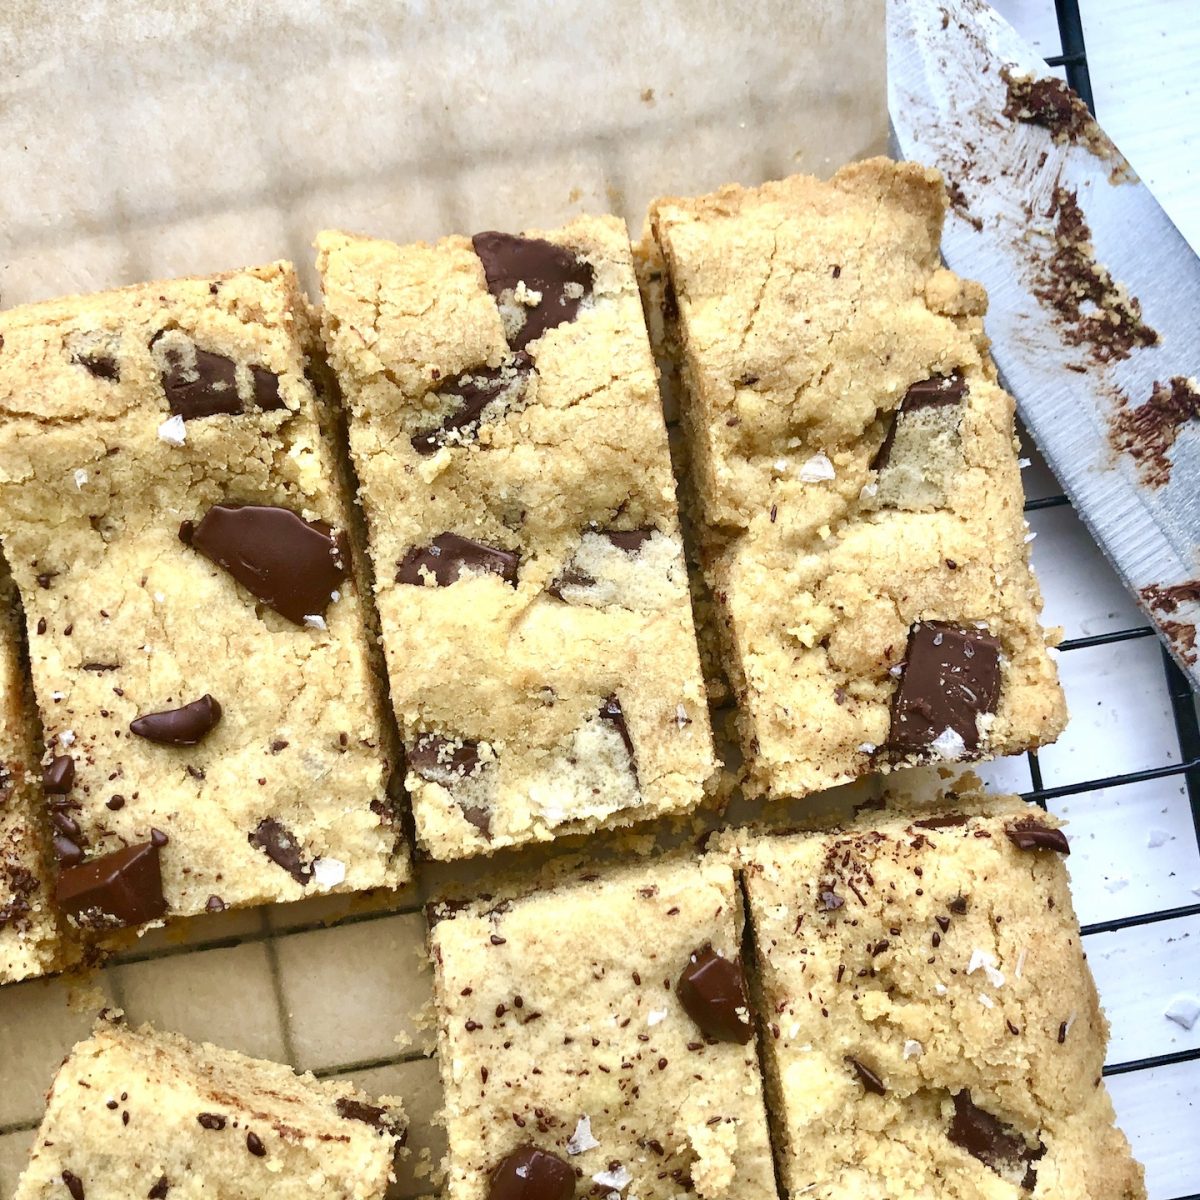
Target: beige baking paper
{"points": [[159, 138]]}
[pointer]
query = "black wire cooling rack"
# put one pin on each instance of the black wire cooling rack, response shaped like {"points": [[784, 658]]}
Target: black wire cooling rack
{"points": [[1073, 60]]}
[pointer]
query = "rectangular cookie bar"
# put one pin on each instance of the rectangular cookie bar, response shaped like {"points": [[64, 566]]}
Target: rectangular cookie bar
{"points": [[601, 1032], [30, 933], [935, 1030], [137, 1113], [859, 496], [513, 466], [171, 507]]}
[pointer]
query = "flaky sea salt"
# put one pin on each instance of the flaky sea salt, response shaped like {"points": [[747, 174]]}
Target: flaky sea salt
{"points": [[1156, 838], [329, 872], [1021, 961], [67, 737], [949, 745], [913, 1049], [986, 1000], [1184, 1010], [314, 622], [582, 1139], [173, 431], [867, 748], [818, 469], [655, 1015], [981, 960], [617, 1179], [81, 477]]}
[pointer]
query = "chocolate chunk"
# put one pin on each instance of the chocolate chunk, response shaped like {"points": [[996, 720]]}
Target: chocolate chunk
{"points": [[254, 1144], [867, 1077], [629, 540], [612, 712], [442, 760], [214, 904], [158, 838], [213, 1121], [74, 1185], [450, 556], [474, 390], [529, 1173], [116, 890], [281, 846], [1029, 834], [556, 273], [199, 384], [292, 565], [368, 1114], [712, 990], [958, 906], [59, 776], [184, 726], [67, 851], [994, 1143], [266, 389], [951, 676], [160, 1189], [936, 392], [103, 366], [945, 821]]}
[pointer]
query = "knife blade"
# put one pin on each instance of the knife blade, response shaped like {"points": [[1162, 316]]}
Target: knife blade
{"points": [[1094, 312]]}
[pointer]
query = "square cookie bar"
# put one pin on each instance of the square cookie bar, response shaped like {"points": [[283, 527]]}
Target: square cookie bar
{"points": [[596, 1038], [935, 1030], [859, 497], [171, 507], [30, 934], [512, 459], [136, 1113]]}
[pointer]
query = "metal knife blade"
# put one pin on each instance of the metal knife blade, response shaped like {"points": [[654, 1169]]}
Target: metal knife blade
{"points": [[1012, 186]]}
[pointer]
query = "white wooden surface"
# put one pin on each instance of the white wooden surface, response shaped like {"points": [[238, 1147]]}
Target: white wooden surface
{"points": [[1133, 848]]}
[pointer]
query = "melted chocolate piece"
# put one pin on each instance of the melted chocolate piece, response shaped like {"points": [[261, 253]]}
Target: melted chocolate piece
{"points": [[628, 540], [184, 726], [441, 760], [868, 1078], [1029, 834], [529, 1173], [160, 1189], [266, 389], [368, 1114], [990, 1140], [281, 846], [474, 390], [951, 676], [103, 366], [612, 712], [203, 387], [542, 267], [74, 1185], [292, 565], [450, 556], [59, 776], [116, 890], [712, 990], [935, 392]]}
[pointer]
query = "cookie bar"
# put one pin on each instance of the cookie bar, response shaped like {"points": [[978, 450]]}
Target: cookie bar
{"points": [[858, 489], [30, 934], [505, 426], [171, 508], [136, 1113], [935, 1030], [600, 1032]]}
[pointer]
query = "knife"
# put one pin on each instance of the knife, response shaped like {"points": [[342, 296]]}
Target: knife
{"points": [[1094, 309]]}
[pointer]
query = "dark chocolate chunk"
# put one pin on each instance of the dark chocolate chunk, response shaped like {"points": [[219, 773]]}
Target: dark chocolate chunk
{"points": [[158, 838], [290, 564], [629, 540], [1029, 834], [529, 1173], [951, 676], [254, 1144], [118, 889], [561, 277], [214, 904], [266, 389], [368, 1114], [712, 990], [867, 1077], [59, 776], [442, 760], [160, 1189], [201, 384], [103, 366], [67, 851], [450, 556], [936, 392], [474, 390], [74, 1185], [184, 726], [958, 905], [612, 712], [945, 821], [994, 1143], [280, 845], [213, 1121]]}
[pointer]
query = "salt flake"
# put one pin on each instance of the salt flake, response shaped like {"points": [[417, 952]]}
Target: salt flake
{"points": [[655, 1015], [1157, 837], [173, 431], [1184, 1010], [818, 469], [981, 960], [582, 1139], [949, 745], [329, 872], [315, 622], [81, 477], [913, 1049], [67, 737], [618, 1179]]}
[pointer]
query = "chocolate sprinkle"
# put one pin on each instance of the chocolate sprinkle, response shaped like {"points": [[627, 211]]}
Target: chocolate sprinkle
{"points": [[212, 1121], [74, 1185], [553, 271], [254, 1144], [712, 990], [292, 565], [160, 1189], [450, 556], [186, 726]]}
